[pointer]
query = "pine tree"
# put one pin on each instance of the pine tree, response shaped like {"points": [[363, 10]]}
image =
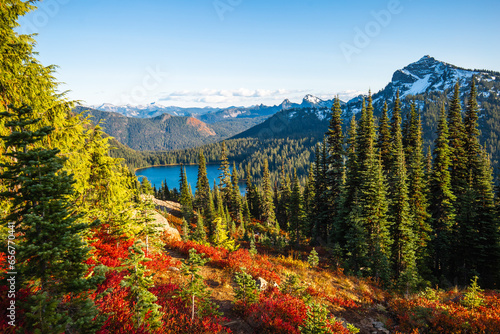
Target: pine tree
{"points": [[458, 159], [404, 244], [442, 201], [268, 215], [225, 182], [309, 203], [321, 224], [210, 213], [351, 187], [253, 198], [296, 228], [186, 231], [195, 287], [478, 225], [282, 200], [384, 139], [185, 200], [199, 233], [367, 221], [417, 188], [146, 187], [335, 163], [48, 229], [201, 201], [236, 196], [146, 312]]}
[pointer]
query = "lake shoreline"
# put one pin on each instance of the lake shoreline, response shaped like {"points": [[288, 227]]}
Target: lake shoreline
{"points": [[170, 165]]}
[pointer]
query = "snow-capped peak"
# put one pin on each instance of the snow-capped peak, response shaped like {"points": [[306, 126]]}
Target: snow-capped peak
{"points": [[428, 74], [312, 99]]}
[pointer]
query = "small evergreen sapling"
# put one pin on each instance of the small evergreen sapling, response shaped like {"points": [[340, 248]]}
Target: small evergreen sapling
{"points": [[473, 298], [246, 291], [195, 287], [313, 258], [146, 311]]}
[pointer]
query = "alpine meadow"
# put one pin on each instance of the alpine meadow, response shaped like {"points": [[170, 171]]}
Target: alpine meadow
{"points": [[350, 211]]}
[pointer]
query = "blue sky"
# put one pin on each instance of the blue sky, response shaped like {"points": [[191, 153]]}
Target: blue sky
{"points": [[246, 52]]}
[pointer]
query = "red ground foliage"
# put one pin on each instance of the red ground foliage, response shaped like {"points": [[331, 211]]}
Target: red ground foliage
{"points": [[448, 316], [276, 312], [257, 266]]}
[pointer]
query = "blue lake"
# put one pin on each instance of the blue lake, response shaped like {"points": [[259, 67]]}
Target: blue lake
{"points": [[171, 174]]}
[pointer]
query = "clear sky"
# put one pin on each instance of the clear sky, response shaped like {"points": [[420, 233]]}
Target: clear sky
{"points": [[245, 52]]}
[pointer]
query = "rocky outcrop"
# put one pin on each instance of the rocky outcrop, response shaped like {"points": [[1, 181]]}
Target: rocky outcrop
{"points": [[161, 223], [164, 227]]}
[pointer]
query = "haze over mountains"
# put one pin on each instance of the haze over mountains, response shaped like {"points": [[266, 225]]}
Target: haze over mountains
{"points": [[427, 81]]}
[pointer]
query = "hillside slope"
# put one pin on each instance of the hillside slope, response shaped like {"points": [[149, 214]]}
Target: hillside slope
{"points": [[165, 132]]}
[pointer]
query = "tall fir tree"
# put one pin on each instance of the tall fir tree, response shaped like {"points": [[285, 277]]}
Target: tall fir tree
{"points": [[417, 189], [371, 206], [351, 187], [297, 217], [384, 141], [478, 225], [404, 238], [50, 250], [442, 202], [335, 163], [268, 214], [321, 227], [252, 195], [236, 196], [225, 182], [458, 159], [201, 201], [282, 199], [185, 199]]}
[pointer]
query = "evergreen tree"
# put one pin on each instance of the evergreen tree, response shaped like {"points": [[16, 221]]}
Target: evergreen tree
{"points": [[282, 200], [186, 231], [236, 196], [335, 163], [404, 238], [195, 287], [185, 200], [478, 225], [253, 198], [350, 190], [268, 215], [458, 162], [321, 224], [373, 198], [417, 188], [442, 201], [210, 213], [296, 211], [146, 312], [50, 249], [384, 141], [246, 212], [309, 203], [201, 198], [146, 187], [225, 182], [199, 234]]}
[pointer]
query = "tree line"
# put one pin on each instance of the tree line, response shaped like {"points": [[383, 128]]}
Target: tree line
{"points": [[385, 205]]}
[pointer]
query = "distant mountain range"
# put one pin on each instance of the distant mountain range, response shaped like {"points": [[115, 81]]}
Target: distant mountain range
{"points": [[428, 82], [209, 114]]}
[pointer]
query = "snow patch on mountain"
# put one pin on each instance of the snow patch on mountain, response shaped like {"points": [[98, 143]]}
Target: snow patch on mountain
{"points": [[419, 86]]}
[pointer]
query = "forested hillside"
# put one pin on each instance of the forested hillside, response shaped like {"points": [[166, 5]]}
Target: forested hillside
{"points": [[165, 132]]}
